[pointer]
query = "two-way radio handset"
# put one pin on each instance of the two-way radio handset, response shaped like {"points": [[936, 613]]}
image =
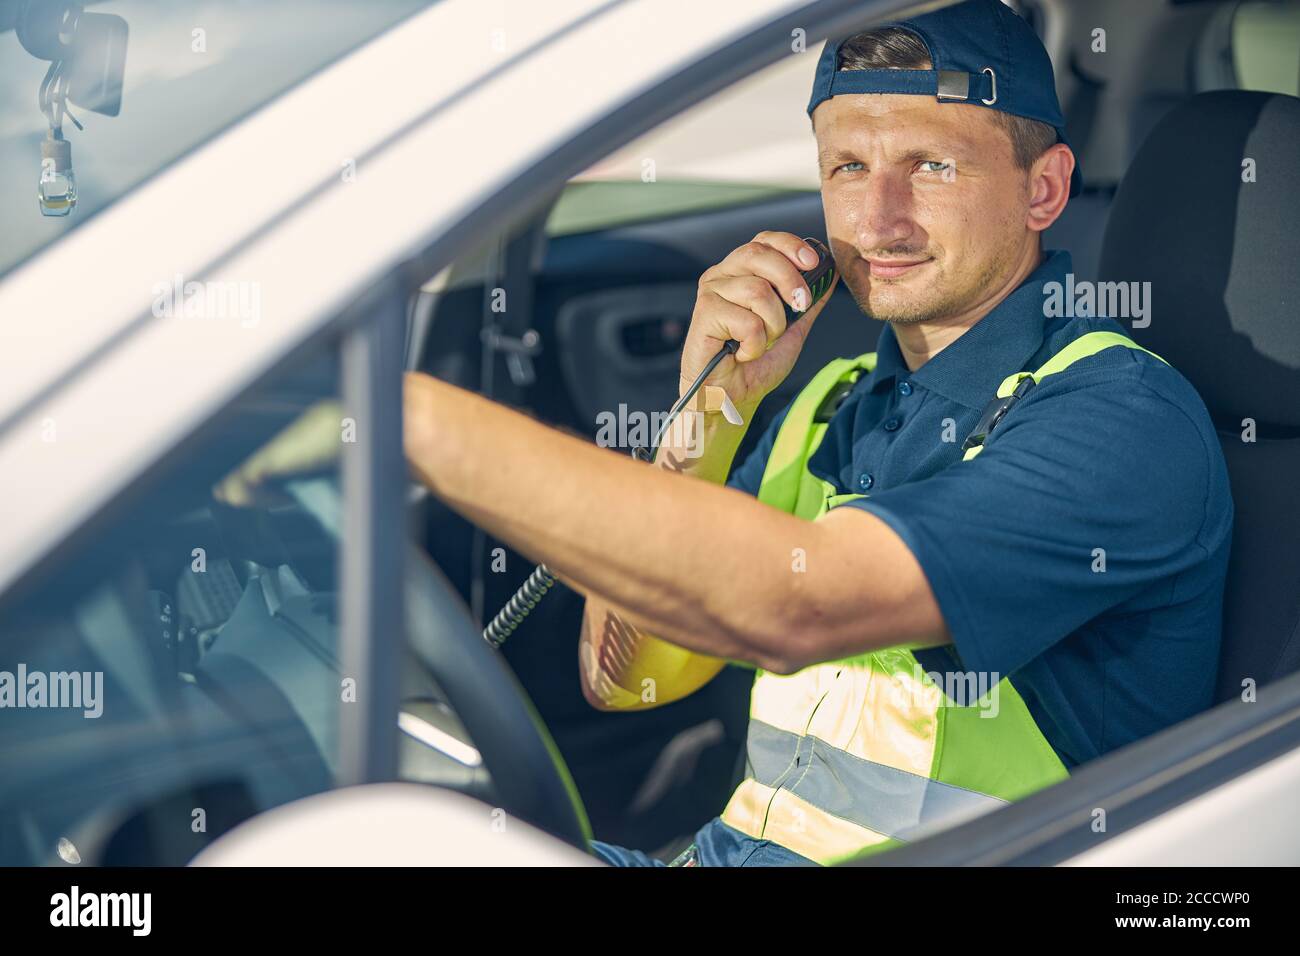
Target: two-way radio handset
{"points": [[819, 279]]}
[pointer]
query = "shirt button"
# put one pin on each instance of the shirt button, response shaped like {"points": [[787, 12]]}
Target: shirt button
{"points": [[892, 425], [865, 481], [904, 388]]}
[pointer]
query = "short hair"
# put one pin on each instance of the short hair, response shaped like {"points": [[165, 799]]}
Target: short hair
{"points": [[895, 48]]}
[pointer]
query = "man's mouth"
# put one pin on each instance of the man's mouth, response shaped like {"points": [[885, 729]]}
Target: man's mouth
{"points": [[893, 268]]}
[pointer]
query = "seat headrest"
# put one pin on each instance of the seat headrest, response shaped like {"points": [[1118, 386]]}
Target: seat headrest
{"points": [[1218, 238]]}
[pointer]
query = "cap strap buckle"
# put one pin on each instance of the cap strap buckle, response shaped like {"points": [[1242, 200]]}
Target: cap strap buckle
{"points": [[953, 85]]}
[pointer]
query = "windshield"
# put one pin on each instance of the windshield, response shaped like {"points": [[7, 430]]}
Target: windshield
{"points": [[175, 72]]}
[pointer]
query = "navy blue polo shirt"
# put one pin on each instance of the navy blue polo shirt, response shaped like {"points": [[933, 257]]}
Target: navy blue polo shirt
{"points": [[1082, 553]]}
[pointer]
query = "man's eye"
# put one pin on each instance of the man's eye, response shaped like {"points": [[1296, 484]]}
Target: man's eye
{"points": [[934, 166], [849, 168]]}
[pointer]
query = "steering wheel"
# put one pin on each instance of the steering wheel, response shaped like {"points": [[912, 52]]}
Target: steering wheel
{"points": [[528, 773]]}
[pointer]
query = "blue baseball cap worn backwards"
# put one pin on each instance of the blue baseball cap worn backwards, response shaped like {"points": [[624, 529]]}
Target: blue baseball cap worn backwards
{"points": [[982, 53]]}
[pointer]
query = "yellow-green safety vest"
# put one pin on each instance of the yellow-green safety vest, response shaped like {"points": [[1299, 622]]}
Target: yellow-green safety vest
{"points": [[862, 754]]}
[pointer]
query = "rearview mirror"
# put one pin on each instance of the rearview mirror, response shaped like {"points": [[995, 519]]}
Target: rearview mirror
{"points": [[87, 50], [98, 63]]}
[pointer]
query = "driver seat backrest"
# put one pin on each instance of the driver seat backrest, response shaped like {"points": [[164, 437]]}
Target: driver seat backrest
{"points": [[1209, 214]]}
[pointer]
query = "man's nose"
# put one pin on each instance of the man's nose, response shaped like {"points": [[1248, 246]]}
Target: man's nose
{"points": [[887, 215]]}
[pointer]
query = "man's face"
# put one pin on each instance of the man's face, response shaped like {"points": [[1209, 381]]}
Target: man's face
{"points": [[925, 206]]}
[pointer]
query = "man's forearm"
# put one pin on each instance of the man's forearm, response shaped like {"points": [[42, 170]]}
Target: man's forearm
{"points": [[689, 561], [706, 567]]}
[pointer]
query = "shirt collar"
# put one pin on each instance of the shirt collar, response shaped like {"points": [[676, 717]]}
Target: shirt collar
{"points": [[970, 369]]}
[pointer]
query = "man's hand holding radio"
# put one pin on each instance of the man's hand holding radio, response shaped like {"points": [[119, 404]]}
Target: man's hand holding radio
{"points": [[743, 298]]}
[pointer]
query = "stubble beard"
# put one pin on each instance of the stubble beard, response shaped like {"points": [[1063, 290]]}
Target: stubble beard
{"points": [[929, 304]]}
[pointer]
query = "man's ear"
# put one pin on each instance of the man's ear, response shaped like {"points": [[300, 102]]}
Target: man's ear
{"points": [[1049, 186]]}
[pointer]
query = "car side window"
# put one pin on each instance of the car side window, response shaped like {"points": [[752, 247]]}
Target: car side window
{"points": [[176, 670], [1266, 47], [748, 143], [1254, 45]]}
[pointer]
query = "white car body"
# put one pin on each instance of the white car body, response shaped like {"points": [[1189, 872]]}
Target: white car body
{"points": [[508, 91]]}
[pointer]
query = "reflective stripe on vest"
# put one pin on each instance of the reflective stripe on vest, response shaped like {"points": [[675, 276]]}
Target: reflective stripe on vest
{"points": [[862, 754]]}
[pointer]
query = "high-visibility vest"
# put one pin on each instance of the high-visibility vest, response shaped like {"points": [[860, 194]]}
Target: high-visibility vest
{"points": [[862, 754]]}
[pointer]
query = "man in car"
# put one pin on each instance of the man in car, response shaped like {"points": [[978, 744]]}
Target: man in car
{"points": [[961, 565]]}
